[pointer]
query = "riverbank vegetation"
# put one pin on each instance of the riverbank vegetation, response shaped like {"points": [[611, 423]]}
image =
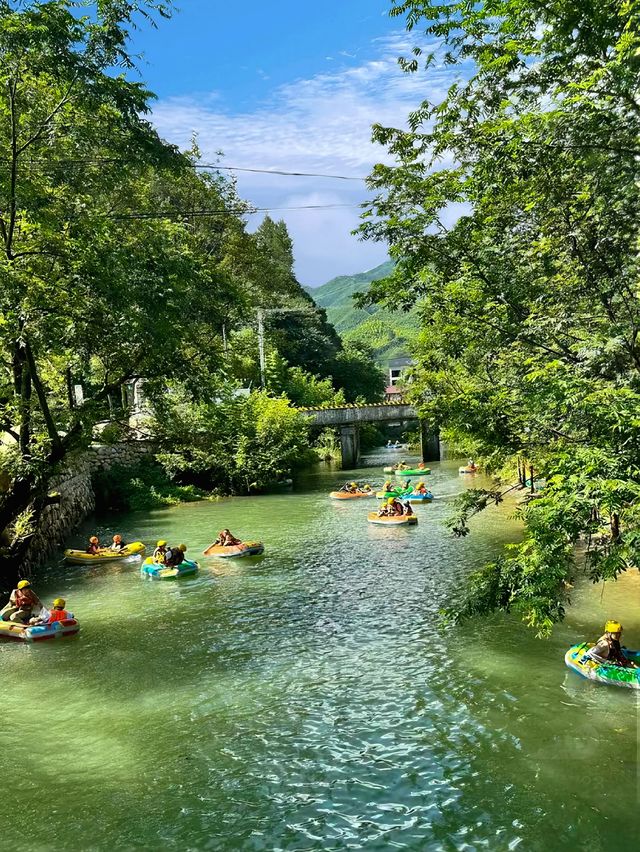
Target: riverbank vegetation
{"points": [[530, 343], [122, 258]]}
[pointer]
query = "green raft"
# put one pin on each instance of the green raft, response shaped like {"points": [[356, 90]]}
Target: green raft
{"points": [[576, 658], [413, 472]]}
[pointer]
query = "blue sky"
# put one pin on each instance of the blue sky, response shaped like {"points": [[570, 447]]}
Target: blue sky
{"points": [[293, 86]]}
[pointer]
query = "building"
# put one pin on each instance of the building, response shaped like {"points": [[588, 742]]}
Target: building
{"points": [[397, 369]]}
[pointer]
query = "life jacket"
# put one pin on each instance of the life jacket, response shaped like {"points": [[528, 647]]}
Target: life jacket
{"points": [[174, 556], [58, 615], [93, 548], [159, 555]]}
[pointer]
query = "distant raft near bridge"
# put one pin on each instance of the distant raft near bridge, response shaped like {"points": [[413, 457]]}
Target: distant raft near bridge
{"points": [[349, 417]]}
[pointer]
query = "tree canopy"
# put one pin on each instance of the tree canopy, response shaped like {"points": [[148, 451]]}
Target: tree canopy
{"points": [[530, 305]]}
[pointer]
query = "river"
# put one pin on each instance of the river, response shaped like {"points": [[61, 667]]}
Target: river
{"points": [[309, 699]]}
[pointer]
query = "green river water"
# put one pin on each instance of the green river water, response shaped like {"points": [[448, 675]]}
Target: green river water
{"points": [[308, 699]]}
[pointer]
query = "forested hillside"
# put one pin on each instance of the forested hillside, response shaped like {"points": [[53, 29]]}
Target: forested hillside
{"points": [[389, 333]]}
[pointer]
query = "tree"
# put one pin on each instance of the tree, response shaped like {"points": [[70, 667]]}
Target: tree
{"points": [[531, 316], [235, 445], [106, 274], [355, 371]]}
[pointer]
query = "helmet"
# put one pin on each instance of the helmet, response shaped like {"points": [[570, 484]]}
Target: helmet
{"points": [[391, 501], [420, 485], [354, 484], [182, 547], [161, 543], [59, 602], [117, 537], [94, 539], [24, 584], [613, 627]]}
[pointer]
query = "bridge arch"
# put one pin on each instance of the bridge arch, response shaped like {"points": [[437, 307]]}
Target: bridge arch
{"points": [[349, 417]]}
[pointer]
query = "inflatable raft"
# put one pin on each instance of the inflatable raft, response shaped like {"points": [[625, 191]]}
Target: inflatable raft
{"points": [[414, 471], [80, 557], [157, 571], [419, 498], [349, 495], [602, 672], [235, 551], [39, 632], [401, 494], [392, 520]]}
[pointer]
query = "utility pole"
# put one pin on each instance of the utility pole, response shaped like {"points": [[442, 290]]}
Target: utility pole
{"points": [[263, 381], [261, 315]]}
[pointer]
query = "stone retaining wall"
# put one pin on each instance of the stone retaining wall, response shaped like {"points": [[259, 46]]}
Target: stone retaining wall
{"points": [[77, 500]]}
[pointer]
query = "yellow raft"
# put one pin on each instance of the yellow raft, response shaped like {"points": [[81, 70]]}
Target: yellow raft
{"points": [[80, 557], [392, 520]]}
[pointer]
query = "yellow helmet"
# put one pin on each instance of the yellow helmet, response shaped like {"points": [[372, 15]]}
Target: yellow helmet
{"points": [[613, 627], [182, 547], [24, 584], [420, 485], [59, 602], [391, 501], [354, 484], [161, 543]]}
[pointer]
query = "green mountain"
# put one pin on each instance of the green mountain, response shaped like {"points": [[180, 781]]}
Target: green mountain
{"points": [[389, 332]]}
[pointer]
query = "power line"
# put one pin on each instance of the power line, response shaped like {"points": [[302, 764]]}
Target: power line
{"points": [[278, 172], [223, 212], [43, 163]]}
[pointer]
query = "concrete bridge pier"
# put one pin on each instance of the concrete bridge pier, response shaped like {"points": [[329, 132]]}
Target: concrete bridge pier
{"points": [[429, 443], [350, 445]]}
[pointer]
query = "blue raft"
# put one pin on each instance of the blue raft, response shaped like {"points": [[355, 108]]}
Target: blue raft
{"points": [[157, 571]]}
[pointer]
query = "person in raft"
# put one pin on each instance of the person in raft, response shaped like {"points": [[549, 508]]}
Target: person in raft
{"points": [[117, 544], [94, 545], [350, 487], [175, 556], [58, 613], [608, 649], [421, 488], [160, 553], [22, 603], [226, 539]]}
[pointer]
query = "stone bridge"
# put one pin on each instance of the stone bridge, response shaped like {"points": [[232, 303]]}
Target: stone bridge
{"points": [[349, 417]]}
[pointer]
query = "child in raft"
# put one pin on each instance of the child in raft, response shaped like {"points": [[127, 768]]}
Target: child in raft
{"points": [[175, 556], [58, 613], [160, 552], [94, 545], [117, 544], [226, 539]]}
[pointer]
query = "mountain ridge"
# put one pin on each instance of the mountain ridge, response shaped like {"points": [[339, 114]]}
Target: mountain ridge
{"points": [[389, 333]]}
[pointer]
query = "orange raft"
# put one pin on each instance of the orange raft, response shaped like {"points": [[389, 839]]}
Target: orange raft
{"points": [[350, 495], [246, 548], [392, 520]]}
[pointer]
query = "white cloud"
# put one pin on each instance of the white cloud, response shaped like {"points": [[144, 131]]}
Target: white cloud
{"points": [[319, 124]]}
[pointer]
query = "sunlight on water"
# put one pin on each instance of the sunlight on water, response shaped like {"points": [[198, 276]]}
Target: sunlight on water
{"points": [[309, 700]]}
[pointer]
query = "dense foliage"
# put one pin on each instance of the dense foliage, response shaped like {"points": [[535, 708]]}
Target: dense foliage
{"points": [[146, 486], [234, 444], [122, 258], [530, 306]]}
